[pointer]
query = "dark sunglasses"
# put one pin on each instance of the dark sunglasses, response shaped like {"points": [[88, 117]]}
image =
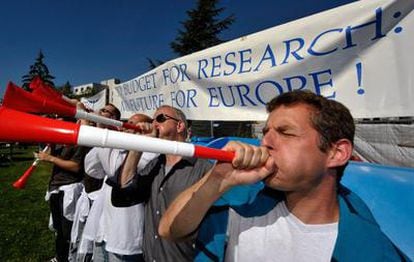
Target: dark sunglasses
{"points": [[161, 118]]}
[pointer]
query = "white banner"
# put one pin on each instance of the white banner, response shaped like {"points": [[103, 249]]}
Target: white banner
{"points": [[95, 102], [359, 54]]}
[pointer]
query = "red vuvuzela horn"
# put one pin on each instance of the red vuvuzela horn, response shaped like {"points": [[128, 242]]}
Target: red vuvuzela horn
{"points": [[21, 182], [39, 88], [18, 99], [13, 128]]}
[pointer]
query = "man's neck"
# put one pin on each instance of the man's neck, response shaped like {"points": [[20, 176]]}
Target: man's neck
{"points": [[317, 206], [171, 160]]}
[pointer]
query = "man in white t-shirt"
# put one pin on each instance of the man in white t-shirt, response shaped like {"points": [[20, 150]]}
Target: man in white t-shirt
{"points": [[81, 250], [303, 213], [117, 232]]}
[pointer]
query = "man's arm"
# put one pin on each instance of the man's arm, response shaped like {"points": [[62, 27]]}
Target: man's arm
{"points": [[137, 190], [130, 187], [183, 216], [129, 168], [68, 165]]}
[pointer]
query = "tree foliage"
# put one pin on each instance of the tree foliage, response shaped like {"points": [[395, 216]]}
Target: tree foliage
{"points": [[40, 69], [202, 28], [200, 31], [65, 89]]}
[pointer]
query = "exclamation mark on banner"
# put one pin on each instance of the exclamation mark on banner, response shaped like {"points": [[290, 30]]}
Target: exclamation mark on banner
{"points": [[360, 91]]}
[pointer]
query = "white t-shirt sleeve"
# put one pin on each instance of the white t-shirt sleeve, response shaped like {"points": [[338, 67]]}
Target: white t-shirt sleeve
{"points": [[93, 164]]}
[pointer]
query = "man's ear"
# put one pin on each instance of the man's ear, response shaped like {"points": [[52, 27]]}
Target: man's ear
{"points": [[180, 127], [340, 153]]}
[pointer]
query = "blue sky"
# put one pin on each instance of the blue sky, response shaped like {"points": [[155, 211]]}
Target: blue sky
{"points": [[88, 41]]}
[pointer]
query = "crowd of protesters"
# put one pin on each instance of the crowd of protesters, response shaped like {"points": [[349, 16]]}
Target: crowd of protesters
{"points": [[118, 205]]}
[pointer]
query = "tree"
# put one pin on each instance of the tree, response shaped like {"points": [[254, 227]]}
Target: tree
{"points": [[202, 28], [66, 89], [38, 69]]}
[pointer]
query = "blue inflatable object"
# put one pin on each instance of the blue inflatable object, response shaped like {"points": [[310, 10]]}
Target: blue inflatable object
{"points": [[222, 141], [239, 194], [201, 140], [388, 192]]}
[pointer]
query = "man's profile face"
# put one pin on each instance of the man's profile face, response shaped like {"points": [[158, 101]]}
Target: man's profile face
{"points": [[293, 144], [108, 111], [166, 123], [137, 118]]}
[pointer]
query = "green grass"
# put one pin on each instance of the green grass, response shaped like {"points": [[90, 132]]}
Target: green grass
{"points": [[24, 214]]}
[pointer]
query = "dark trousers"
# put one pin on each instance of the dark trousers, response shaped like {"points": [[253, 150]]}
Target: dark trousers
{"points": [[61, 225]]}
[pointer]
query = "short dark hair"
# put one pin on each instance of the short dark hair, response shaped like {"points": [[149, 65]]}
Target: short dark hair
{"points": [[331, 119], [116, 112]]}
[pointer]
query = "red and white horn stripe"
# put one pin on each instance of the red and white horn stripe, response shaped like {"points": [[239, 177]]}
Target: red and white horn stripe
{"points": [[21, 127], [21, 100]]}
